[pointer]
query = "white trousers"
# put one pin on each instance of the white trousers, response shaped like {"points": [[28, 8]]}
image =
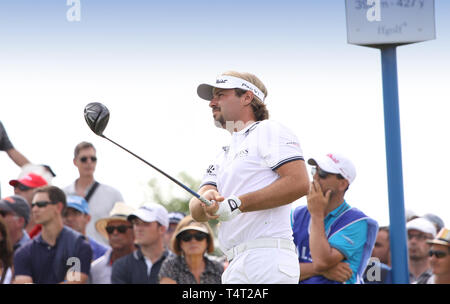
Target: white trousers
{"points": [[263, 266]]}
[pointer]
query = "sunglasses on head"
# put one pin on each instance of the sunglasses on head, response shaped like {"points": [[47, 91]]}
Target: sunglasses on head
{"points": [[439, 254], [42, 204], [22, 187], [323, 174], [187, 237], [120, 229], [85, 158]]}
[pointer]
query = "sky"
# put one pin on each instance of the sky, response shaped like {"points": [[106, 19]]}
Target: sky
{"points": [[145, 59]]}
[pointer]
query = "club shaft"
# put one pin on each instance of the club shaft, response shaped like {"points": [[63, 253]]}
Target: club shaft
{"points": [[201, 198]]}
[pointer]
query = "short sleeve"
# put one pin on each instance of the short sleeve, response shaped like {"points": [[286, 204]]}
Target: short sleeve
{"points": [[210, 176], [277, 144], [351, 239], [22, 261]]}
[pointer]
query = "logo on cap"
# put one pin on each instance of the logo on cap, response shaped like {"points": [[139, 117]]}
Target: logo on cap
{"points": [[335, 160], [221, 80]]}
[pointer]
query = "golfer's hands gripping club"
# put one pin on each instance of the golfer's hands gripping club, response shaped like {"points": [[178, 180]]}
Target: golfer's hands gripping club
{"points": [[222, 209]]}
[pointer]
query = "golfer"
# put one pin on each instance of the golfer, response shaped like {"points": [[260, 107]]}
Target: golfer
{"points": [[252, 183]]}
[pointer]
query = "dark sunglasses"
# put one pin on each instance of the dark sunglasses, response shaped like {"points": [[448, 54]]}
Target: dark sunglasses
{"points": [[187, 237], [120, 229], [42, 204], [85, 158], [323, 174], [22, 187], [3, 213], [439, 254]]}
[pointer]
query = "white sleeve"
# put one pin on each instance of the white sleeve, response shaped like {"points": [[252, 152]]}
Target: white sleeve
{"points": [[277, 145], [210, 177]]}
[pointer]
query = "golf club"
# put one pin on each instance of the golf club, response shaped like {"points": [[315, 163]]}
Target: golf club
{"points": [[97, 117]]}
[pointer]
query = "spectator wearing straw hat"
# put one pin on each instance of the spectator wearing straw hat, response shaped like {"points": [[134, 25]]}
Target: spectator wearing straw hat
{"points": [[119, 233], [190, 264], [440, 258]]}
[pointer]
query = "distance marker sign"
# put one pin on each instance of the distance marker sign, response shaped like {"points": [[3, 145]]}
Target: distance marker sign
{"points": [[381, 22]]}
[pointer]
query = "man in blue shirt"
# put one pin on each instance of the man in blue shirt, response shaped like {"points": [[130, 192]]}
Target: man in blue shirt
{"points": [[76, 216], [334, 240], [58, 254]]}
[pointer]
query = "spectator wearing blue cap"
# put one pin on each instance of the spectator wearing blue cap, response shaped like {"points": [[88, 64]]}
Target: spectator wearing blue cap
{"points": [[174, 219], [76, 216]]}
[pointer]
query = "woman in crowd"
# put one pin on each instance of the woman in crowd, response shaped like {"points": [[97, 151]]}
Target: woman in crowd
{"points": [[6, 254], [190, 264]]}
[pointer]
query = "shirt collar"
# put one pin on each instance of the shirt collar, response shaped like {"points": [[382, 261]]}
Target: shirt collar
{"points": [[339, 209], [248, 129]]}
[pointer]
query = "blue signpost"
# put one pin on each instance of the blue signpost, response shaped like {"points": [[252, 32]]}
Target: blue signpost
{"points": [[371, 24]]}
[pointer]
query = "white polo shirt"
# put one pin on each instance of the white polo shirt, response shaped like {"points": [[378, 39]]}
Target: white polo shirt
{"points": [[247, 165]]}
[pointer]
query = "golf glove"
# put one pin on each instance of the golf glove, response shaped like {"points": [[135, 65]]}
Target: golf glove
{"points": [[229, 208]]}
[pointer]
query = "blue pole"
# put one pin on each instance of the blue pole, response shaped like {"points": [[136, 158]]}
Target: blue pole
{"points": [[399, 251]]}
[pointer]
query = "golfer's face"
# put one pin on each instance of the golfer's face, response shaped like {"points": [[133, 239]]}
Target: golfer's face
{"points": [[86, 161], [225, 106]]}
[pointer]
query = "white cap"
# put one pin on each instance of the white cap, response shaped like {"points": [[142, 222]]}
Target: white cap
{"points": [[205, 90], [151, 212], [336, 164], [422, 225]]}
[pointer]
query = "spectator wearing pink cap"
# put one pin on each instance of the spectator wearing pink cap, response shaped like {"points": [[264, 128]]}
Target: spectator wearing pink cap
{"points": [[24, 187], [419, 231]]}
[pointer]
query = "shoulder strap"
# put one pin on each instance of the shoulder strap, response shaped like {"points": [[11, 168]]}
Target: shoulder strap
{"points": [[91, 191]]}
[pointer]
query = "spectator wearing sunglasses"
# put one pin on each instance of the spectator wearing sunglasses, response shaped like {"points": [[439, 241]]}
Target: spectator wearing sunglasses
{"points": [[118, 230], [150, 223], [100, 197], [334, 240], [15, 211], [191, 242], [58, 254], [419, 230], [24, 187], [76, 216], [440, 257]]}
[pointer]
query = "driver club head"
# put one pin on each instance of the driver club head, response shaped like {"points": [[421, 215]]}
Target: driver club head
{"points": [[96, 116]]}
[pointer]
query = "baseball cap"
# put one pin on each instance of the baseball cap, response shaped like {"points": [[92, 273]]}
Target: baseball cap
{"points": [[17, 205], [337, 164], [151, 212], [120, 211], [78, 203], [176, 217], [31, 180], [205, 90], [442, 238], [422, 225]]}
